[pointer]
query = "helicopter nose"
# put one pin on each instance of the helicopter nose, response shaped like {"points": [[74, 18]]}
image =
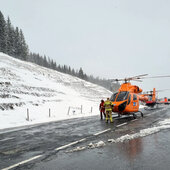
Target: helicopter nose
{"points": [[122, 106]]}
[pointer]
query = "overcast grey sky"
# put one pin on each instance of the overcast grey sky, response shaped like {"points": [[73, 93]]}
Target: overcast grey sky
{"points": [[107, 38]]}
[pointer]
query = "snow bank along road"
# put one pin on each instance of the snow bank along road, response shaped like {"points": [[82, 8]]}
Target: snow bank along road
{"points": [[35, 145]]}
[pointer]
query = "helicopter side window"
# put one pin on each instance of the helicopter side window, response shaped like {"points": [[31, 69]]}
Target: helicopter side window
{"points": [[113, 97], [129, 99], [134, 97], [122, 96]]}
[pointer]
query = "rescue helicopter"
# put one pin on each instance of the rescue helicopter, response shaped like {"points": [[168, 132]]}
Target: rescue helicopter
{"points": [[126, 100], [153, 100], [165, 101]]}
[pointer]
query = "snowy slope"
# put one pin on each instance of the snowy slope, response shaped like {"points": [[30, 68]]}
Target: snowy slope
{"points": [[26, 85]]}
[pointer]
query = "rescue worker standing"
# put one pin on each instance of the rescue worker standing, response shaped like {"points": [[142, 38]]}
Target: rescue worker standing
{"points": [[102, 110], [108, 108]]}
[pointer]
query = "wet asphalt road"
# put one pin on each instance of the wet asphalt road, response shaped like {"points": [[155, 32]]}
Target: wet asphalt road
{"points": [[151, 152]]}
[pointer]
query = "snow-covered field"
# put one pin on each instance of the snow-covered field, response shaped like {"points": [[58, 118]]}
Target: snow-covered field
{"points": [[26, 85]]}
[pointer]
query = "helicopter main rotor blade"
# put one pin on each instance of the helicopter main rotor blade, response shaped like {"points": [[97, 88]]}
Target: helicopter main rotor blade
{"points": [[155, 77], [116, 80], [151, 92], [139, 76], [129, 78], [112, 80], [162, 90], [137, 80]]}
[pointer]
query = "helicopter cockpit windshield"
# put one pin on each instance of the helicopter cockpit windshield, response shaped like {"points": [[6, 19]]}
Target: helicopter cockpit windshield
{"points": [[121, 96], [113, 97]]}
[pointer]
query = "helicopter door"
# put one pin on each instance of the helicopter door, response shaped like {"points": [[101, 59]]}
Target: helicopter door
{"points": [[135, 100], [129, 99]]}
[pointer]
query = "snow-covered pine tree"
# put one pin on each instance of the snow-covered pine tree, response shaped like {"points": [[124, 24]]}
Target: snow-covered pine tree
{"points": [[23, 46], [17, 44], [81, 73], [3, 36], [45, 63], [73, 73], [10, 37]]}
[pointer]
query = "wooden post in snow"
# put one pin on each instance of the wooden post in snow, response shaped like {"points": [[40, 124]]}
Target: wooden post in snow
{"points": [[28, 118], [81, 109], [91, 109], [68, 110], [49, 112]]}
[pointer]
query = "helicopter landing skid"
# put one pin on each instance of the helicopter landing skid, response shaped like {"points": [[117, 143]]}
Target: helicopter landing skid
{"points": [[121, 116], [153, 108], [141, 113], [135, 116]]}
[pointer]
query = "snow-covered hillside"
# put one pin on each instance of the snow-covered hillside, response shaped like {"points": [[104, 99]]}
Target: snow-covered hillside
{"points": [[26, 85]]}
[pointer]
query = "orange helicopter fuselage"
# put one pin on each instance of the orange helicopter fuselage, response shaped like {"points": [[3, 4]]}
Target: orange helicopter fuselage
{"points": [[126, 100]]}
